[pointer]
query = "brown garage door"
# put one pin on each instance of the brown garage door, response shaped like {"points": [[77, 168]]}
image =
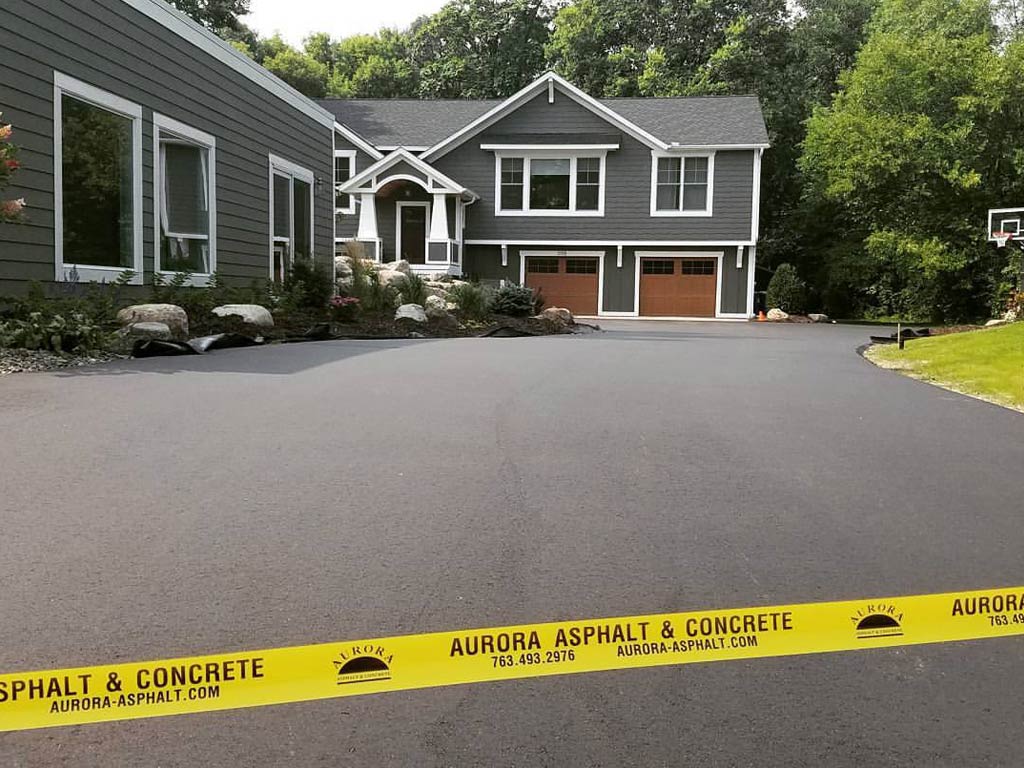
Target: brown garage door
{"points": [[677, 287], [565, 281]]}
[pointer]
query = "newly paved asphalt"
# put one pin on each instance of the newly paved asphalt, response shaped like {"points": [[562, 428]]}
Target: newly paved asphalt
{"points": [[297, 494]]}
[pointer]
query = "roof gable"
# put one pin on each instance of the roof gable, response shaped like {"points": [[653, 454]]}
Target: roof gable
{"points": [[551, 82], [402, 164]]}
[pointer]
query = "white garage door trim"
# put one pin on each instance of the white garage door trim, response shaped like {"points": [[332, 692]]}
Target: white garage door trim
{"points": [[718, 255], [599, 255]]}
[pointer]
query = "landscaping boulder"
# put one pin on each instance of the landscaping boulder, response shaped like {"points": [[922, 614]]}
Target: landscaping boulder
{"points": [[250, 314], [343, 271], [817, 317], [438, 289], [436, 303], [389, 276], [413, 312], [171, 315], [397, 266], [149, 331], [559, 315], [994, 322], [776, 315]]}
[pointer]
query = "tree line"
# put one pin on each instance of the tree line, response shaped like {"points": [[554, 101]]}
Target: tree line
{"points": [[894, 124]]}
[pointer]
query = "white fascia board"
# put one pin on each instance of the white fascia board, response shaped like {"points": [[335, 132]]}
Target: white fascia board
{"points": [[182, 26], [531, 90], [409, 147], [713, 147], [549, 147], [359, 141], [612, 243], [356, 183]]}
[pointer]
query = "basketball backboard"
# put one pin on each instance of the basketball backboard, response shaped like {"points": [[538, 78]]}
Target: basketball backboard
{"points": [[1005, 220]]}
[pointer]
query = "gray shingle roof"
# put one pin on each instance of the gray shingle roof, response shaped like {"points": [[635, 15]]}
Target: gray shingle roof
{"points": [[694, 120]]}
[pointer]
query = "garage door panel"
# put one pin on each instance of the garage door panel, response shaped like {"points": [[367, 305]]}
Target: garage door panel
{"points": [[570, 282], [678, 287]]}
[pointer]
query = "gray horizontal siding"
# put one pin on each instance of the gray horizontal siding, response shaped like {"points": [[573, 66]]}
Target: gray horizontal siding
{"points": [[628, 186], [108, 44]]}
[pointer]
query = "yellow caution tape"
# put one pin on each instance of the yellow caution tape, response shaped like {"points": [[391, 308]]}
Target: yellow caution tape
{"points": [[328, 670]]}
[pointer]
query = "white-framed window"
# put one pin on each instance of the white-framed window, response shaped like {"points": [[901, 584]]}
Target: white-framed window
{"points": [[344, 169], [682, 185], [184, 200], [550, 183], [97, 167], [291, 215]]}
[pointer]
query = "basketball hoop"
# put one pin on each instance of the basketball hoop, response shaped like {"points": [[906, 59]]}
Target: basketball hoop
{"points": [[1002, 238]]}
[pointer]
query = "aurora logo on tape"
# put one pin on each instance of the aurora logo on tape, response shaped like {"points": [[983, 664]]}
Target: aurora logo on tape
{"points": [[878, 620], [363, 664]]}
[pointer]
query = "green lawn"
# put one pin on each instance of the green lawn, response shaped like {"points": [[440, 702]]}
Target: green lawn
{"points": [[987, 363]]}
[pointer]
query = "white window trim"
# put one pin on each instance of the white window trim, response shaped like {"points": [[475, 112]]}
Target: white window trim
{"points": [[573, 157], [655, 156], [426, 236], [166, 126], [719, 256], [351, 155], [280, 166], [62, 84]]}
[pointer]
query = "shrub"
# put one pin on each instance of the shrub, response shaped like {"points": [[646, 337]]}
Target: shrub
{"points": [[471, 300], [376, 296], [513, 300], [74, 333], [413, 290], [307, 286], [786, 290]]}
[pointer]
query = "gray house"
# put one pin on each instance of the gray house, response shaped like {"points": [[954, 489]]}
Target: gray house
{"points": [[615, 207], [148, 144]]}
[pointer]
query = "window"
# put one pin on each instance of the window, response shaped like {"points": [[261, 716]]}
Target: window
{"points": [[542, 266], [658, 266], [184, 188], [581, 266], [291, 215], [682, 186], [698, 266], [550, 184], [512, 184], [98, 182], [344, 169], [588, 183]]}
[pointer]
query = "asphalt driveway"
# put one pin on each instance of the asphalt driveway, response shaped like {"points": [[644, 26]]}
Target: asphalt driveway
{"points": [[319, 492]]}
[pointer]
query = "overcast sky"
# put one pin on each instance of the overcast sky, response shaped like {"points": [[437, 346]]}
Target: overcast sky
{"points": [[295, 19]]}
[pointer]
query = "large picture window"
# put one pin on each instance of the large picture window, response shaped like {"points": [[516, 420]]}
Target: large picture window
{"points": [[550, 185], [682, 186], [184, 185], [98, 182], [291, 218]]}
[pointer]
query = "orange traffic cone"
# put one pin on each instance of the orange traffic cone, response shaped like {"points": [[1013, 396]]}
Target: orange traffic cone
{"points": [[761, 316]]}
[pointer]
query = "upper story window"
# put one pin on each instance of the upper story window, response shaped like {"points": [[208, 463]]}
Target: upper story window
{"points": [[344, 169], [550, 184], [184, 185], [98, 182], [682, 185]]}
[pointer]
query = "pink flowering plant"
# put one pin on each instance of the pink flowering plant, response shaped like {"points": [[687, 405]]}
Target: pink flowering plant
{"points": [[10, 210], [345, 309]]}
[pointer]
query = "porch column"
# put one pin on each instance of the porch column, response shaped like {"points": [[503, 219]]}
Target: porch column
{"points": [[367, 217], [439, 219]]}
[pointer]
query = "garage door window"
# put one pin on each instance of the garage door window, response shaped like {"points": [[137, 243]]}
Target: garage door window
{"points": [[542, 266], [581, 266], [658, 267], [698, 267]]}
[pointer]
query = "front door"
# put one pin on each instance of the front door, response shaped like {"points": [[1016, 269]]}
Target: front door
{"points": [[412, 232]]}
